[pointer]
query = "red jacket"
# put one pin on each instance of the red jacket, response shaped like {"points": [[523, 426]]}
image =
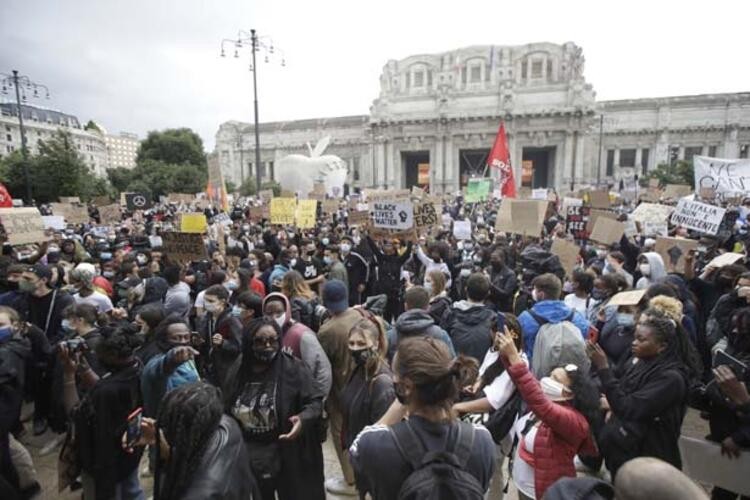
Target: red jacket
{"points": [[562, 434]]}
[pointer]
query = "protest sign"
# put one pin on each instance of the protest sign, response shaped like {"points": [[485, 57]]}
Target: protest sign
{"points": [[650, 196], [100, 201], [257, 213], [569, 202], [462, 230], [478, 190], [594, 215], [707, 193], [707, 462], [393, 195], [653, 183], [599, 199], [673, 252], [330, 207], [567, 252], [359, 217], [286, 194], [74, 214], [607, 231], [110, 214], [22, 225], [675, 191], [725, 259], [312, 195], [283, 210], [137, 201], [155, 241], [576, 221], [521, 216], [184, 246], [306, 214], [539, 194], [698, 216], [654, 229], [629, 298], [181, 198], [56, 222], [728, 177], [652, 212], [631, 227], [403, 235], [425, 216], [524, 193], [193, 223], [319, 188], [70, 199], [266, 195], [393, 214], [417, 192]]}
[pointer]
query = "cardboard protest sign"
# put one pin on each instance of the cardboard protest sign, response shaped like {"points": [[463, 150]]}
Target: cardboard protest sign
{"points": [[193, 223], [650, 196], [22, 225], [707, 462], [654, 229], [673, 252], [652, 212], [256, 214], [319, 188], [266, 195], [70, 199], [594, 215], [629, 298], [539, 194], [283, 210], [184, 246], [599, 199], [74, 214], [137, 201], [100, 201], [393, 214], [727, 177], [607, 231], [675, 191], [567, 252], [359, 217], [698, 216], [478, 190], [330, 207], [425, 216], [653, 183], [56, 222], [306, 214], [312, 195], [462, 229], [725, 259], [521, 216], [417, 192], [381, 194], [110, 214], [181, 198], [576, 221]]}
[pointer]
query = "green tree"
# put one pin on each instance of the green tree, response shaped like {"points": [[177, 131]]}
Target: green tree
{"points": [[231, 188], [680, 172], [247, 188], [179, 146], [91, 125], [120, 178]]}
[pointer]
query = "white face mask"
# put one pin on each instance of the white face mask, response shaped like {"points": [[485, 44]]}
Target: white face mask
{"points": [[292, 262], [280, 320], [645, 269], [552, 389], [211, 307], [345, 248]]}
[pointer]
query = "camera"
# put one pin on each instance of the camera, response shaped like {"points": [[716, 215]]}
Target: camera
{"points": [[75, 345]]}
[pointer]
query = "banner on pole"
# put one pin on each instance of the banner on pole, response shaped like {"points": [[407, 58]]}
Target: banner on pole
{"points": [[727, 177]]}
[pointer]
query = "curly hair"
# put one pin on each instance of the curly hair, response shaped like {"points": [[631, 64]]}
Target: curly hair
{"points": [[668, 305], [188, 417], [585, 397]]}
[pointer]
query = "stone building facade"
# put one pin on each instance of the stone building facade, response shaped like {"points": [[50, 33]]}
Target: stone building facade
{"points": [[437, 115]]}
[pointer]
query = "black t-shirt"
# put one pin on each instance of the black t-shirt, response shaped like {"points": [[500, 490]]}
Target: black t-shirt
{"points": [[309, 269], [39, 311]]}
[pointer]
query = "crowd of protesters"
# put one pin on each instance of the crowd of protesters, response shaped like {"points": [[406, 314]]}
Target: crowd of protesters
{"points": [[426, 363]]}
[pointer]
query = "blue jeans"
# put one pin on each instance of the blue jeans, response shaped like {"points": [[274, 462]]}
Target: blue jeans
{"points": [[127, 489]]}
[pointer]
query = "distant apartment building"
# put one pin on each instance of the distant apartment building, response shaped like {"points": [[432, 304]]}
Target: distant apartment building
{"points": [[122, 149]]}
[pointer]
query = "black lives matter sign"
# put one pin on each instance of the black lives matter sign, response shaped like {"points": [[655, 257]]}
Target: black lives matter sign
{"points": [[576, 221]]}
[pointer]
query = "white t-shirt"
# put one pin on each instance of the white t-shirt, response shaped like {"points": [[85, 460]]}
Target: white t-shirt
{"points": [[96, 299], [523, 473], [499, 391], [583, 306]]}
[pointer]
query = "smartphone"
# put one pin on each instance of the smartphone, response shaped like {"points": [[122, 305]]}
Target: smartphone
{"points": [[738, 367], [134, 431]]}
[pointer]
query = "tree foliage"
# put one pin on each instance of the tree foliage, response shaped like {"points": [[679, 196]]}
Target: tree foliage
{"points": [[680, 172], [179, 146], [247, 188]]}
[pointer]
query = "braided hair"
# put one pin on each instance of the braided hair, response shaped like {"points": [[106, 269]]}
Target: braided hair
{"points": [[188, 417]]}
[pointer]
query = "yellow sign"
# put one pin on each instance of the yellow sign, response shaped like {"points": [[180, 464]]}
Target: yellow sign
{"points": [[283, 210], [306, 211], [193, 223]]}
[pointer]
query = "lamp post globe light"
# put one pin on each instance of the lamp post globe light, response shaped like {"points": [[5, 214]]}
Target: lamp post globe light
{"points": [[22, 85], [256, 44]]}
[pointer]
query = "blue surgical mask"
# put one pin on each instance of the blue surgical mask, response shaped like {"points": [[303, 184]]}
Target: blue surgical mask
{"points": [[231, 285], [237, 311], [327, 260], [6, 333], [66, 326], [625, 319]]}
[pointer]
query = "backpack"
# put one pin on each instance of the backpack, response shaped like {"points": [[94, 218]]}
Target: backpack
{"points": [[437, 474], [501, 421], [557, 344]]}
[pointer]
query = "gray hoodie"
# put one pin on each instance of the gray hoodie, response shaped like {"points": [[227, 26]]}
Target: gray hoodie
{"points": [[657, 272], [416, 322]]}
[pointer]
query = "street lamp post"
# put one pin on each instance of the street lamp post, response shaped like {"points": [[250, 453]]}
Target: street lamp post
{"points": [[256, 44], [18, 81]]}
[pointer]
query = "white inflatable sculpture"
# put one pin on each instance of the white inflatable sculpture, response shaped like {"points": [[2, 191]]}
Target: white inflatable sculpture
{"points": [[299, 173]]}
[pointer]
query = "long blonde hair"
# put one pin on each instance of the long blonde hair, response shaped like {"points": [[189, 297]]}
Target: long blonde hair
{"points": [[294, 285], [438, 282]]}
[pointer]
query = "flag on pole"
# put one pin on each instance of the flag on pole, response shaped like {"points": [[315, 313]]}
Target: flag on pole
{"points": [[6, 201], [500, 159]]}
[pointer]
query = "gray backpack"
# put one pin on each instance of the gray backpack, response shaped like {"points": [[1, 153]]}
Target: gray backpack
{"points": [[558, 344]]}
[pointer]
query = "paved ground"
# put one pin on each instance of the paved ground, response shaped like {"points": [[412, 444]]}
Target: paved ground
{"points": [[47, 465]]}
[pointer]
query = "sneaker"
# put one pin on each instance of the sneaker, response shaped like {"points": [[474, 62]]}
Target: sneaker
{"points": [[40, 426], [338, 486], [52, 444]]}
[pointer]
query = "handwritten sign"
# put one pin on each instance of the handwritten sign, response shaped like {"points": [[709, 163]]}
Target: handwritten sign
{"points": [[652, 212], [256, 213], [306, 214], [283, 210], [22, 225], [673, 252], [193, 223], [110, 214], [55, 222], [359, 217], [521, 216], [100, 201], [74, 214], [393, 214], [181, 198], [629, 298], [599, 199], [462, 229], [725, 259], [330, 207], [425, 216], [539, 194], [727, 177], [478, 190], [675, 191], [698, 216], [576, 221], [183, 246]]}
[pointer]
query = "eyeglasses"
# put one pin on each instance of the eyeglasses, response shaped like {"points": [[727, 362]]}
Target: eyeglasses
{"points": [[265, 341]]}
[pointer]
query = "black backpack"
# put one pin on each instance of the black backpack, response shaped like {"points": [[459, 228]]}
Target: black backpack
{"points": [[437, 475], [501, 421]]}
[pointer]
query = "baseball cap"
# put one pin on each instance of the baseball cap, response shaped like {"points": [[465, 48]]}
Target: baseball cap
{"points": [[335, 296], [40, 270]]}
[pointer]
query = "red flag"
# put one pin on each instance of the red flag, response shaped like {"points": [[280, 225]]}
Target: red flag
{"points": [[5, 199], [500, 159]]}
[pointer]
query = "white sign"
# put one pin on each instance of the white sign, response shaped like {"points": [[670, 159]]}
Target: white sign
{"points": [[393, 214], [56, 222], [539, 194], [698, 216], [652, 212], [462, 229], [655, 228], [728, 177]]}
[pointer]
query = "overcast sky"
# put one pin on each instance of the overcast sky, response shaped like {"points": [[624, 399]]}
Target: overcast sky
{"points": [[140, 65]]}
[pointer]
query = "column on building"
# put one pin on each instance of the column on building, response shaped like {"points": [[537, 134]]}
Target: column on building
{"points": [[579, 155], [436, 163], [731, 145], [450, 181], [566, 176], [392, 168]]}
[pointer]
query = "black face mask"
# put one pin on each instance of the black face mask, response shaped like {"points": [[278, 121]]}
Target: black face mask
{"points": [[362, 355], [264, 355]]}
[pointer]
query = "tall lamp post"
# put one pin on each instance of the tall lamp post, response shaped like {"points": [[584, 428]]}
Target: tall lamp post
{"points": [[256, 44], [22, 84]]}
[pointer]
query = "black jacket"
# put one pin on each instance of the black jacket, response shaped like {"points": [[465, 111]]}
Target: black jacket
{"points": [[720, 321], [503, 284], [724, 421], [387, 273], [358, 272], [469, 327], [222, 357], [365, 400]]}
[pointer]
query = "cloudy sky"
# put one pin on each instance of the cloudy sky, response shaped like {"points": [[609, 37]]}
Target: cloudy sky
{"points": [[140, 65]]}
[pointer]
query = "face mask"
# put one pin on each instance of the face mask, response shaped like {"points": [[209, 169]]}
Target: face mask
{"points": [[468, 246], [280, 320], [264, 356], [211, 307], [66, 326], [362, 355], [327, 260], [231, 285], [345, 247], [6, 333], [237, 311], [645, 269], [428, 287], [601, 253], [477, 259], [141, 259], [293, 262], [26, 286], [568, 287], [325, 241], [552, 389], [108, 274], [598, 294], [625, 319], [534, 295]]}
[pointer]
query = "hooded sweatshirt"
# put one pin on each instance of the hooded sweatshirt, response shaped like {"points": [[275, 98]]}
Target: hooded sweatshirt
{"points": [[553, 311], [657, 271], [469, 326], [412, 323], [299, 341]]}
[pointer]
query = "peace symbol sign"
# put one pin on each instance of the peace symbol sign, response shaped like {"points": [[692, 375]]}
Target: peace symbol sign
{"points": [[139, 201]]}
